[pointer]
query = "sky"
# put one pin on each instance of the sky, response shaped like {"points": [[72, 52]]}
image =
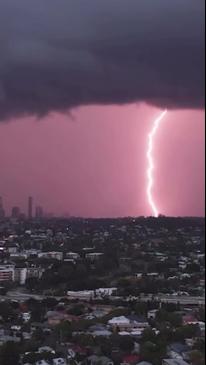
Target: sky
{"points": [[80, 85], [94, 164]]}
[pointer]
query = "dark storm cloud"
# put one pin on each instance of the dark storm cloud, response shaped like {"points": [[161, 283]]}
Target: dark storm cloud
{"points": [[58, 54]]}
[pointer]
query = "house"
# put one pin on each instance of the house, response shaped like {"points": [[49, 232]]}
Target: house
{"points": [[16, 328], [88, 294], [20, 275], [37, 325], [12, 248], [94, 256], [130, 360], [26, 316], [97, 313], [7, 272], [139, 275], [59, 361], [99, 360], [103, 308], [152, 314], [105, 291], [189, 319], [54, 317], [176, 350], [202, 328], [46, 349], [26, 335], [73, 350], [121, 322], [51, 255], [34, 272], [128, 323], [72, 255], [81, 295], [136, 350], [138, 322], [174, 362], [101, 332], [5, 338]]}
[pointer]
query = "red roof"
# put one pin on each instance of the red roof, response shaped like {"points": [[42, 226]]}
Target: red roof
{"points": [[189, 319], [78, 349], [131, 359]]}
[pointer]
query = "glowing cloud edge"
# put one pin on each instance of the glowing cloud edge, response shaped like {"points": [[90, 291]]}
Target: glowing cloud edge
{"points": [[150, 179]]}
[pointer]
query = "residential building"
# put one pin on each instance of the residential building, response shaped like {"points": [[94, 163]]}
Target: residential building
{"points": [[30, 207], [174, 362], [51, 255], [6, 273], [20, 275]]}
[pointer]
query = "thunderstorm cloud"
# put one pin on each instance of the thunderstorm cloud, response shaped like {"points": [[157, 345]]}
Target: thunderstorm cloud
{"points": [[60, 54]]}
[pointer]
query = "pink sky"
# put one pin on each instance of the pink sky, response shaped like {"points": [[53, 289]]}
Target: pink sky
{"points": [[95, 164]]}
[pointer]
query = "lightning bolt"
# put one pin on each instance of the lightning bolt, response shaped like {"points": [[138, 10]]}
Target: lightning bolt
{"points": [[151, 166]]}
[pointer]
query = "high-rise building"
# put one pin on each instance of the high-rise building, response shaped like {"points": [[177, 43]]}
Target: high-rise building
{"points": [[15, 212], [2, 211], [30, 207], [39, 212]]}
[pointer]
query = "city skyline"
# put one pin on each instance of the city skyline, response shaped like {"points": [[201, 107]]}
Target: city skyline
{"points": [[96, 165], [16, 212]]}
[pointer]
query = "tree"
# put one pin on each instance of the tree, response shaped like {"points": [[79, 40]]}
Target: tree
{"points": [[152, 352], [30, 358], [76, 310], [64, 331], [65, 272], [50, 302], [85, 340], [9, 354], [201, 314], [38, 335], [33, 357], [31, 283], [184, 332], [193, 268], [200, 345], [148, 335], [173, 318], [197, 358], [81, 271], [3, 290], [6, 311], [126, 344], [141, 308]]}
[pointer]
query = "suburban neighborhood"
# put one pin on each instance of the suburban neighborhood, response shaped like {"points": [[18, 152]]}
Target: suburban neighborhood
{"points": [[101, 292]]}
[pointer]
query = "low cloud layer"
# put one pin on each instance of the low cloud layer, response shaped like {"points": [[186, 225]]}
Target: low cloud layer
{"points": [[59, 54]]}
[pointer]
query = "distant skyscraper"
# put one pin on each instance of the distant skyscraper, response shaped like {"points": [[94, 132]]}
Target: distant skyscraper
{"points": [[39, 212], [30, 207], [15, 213], [2, 211]]}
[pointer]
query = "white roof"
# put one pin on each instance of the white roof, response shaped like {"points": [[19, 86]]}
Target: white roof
{"points": [[137, 332], [59, 361], [175, 362], [120, 320], [124, 333], [46, 349]]}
